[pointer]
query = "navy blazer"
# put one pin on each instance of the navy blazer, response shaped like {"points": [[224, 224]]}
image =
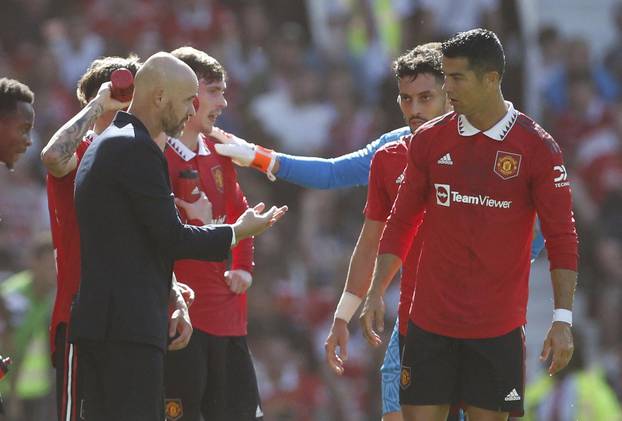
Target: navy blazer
{"points": [[130, 236]]}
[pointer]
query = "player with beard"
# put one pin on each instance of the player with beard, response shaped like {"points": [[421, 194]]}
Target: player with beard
{"points": [[214, 375], [130, 236], [481, 173], [17, 116], [420, 98]]}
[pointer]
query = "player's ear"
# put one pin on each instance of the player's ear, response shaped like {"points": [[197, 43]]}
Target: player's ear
{"points": [[159, 97], [492, 78]]}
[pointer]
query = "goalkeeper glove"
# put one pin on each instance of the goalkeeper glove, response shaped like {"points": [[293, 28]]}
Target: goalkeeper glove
{"points": [[244, 153]]}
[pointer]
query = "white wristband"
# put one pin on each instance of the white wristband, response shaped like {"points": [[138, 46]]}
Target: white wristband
{"points": [[348, 304], [562, 315]]}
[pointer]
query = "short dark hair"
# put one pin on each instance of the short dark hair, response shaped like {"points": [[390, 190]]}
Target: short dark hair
{"points": [[424, 58], [11, 92], [205, 66], [480, 46], [99, 72]]}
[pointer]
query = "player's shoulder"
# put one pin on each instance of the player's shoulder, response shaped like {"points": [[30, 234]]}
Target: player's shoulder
{"points": [[442, 122], [533, 132], [86, 141], [209, 141], [393, 148], [210, 144]]}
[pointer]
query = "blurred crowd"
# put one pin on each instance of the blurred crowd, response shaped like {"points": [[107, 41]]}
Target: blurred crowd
{"points": [[304, 77]]}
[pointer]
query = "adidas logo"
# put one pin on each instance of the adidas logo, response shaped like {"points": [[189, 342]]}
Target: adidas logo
{"points": [[196, 190], [512, 396], [399, 179], [446, 160], [258, 412]]}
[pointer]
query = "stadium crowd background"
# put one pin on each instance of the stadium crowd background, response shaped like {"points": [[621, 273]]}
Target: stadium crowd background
{"points": [[314, 78]]}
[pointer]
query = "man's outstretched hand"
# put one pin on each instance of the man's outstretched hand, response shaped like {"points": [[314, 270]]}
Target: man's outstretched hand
{"points": [[254, 222]]}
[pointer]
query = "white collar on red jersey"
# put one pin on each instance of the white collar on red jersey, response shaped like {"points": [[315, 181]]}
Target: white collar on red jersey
{"points": [[90, 135], [497, 132], [184, 152]]}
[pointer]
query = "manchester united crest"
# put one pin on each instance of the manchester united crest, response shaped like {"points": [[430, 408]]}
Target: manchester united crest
{"points": [[219, 179], [405, 377], [173, 409], [507, 164]]}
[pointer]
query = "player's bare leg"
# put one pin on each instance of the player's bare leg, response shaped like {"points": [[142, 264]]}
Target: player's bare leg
{"points": [[425, 412], [479, 414]]}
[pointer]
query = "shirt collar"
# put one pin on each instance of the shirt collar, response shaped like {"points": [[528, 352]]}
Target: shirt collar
{"points": [[185, 152], [497, 132], [123, 117]]}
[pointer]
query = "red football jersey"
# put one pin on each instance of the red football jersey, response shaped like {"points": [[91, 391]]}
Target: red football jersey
{"points": [[216, 310], [481, 192], [66, 239], [385, 177]]}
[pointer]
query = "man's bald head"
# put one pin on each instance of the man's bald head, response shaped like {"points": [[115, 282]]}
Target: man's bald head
{"points": [[163, 70], [164, 88]]}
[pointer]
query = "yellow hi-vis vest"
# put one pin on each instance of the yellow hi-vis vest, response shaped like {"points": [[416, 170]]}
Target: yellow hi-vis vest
{"points": [[31, 364], [595, 401]]}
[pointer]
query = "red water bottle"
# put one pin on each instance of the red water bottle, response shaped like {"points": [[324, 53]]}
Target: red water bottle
{"points": [[122, 85], [187, 189], [4, 366]]}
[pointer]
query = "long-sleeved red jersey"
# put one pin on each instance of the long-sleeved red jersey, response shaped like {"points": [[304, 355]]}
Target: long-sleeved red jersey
{"points": [[66, 239], [216, 310], [481, 192], [385, 176]]}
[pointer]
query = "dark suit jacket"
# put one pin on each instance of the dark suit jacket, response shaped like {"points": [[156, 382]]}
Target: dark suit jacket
{"points": [[130, 236]]}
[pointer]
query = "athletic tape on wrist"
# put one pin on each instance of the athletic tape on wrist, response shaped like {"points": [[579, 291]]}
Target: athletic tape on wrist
{"points": [[264, 160], [562, 315], [348, 304]]}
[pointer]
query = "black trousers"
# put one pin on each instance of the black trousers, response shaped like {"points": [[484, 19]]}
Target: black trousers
{"points": [[121, 381]]}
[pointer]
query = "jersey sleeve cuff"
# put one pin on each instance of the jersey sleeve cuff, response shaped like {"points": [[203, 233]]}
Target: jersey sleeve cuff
{"points": [[243, 266], [566, 261], [387, 246]]}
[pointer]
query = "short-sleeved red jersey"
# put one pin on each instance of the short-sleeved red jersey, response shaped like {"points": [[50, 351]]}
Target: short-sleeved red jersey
{"points": [[385, 177], [66, 239], [216, 310], [481, 192]]}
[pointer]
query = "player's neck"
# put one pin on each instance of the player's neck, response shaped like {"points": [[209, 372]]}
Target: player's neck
{"points": [[190, 138], [489, 115]]}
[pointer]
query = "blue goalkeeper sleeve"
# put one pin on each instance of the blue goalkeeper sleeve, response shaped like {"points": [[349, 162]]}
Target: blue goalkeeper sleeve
{"points": [[345, 171]]}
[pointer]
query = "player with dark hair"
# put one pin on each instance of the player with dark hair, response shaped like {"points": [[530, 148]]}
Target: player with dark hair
{"points": [[61, 157], [481, 173], [421, 98], [214, 375], [17, 116]]}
